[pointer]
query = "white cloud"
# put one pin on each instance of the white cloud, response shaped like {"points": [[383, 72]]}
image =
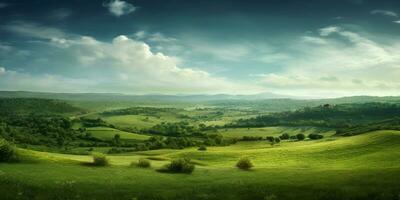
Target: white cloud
{"points": [[33, 30], [119, 8], [159, 37], [314, 40], [397, 22], [2, 70], [328, 30], [153, 37], [140, 34], [122, 65], [387, 13], [348, 63]]}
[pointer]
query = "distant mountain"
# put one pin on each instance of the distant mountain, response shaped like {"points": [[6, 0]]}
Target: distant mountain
{"points": [[260, 99], [124, 97]]}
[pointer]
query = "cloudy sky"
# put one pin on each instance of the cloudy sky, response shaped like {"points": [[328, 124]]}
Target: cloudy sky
{"points": [[315, 48]]}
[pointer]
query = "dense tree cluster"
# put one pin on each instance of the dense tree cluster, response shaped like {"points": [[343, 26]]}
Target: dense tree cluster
{"points": [[152, 111], [341, 117], [179, 129], [28, 106]]}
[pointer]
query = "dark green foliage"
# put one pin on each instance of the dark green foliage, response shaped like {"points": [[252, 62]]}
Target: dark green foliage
{"points": [[180, 129], [244, 164], [39, 130], [28, 106], [315, 136], [7, 151], [251, 138], [284, 136], [152, 111], [389, 124], [115, 150], [143, 163], [277, 140], [202, 148], [180, 165], [117, 140], [93, 122], [334, 116], [99, 159], [293, 137], [270, 139], [300, 136]]}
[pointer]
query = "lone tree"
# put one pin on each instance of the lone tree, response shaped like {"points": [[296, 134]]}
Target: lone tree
{"points": [[284, 136], [300, 136], [117, 139], [270, 139], [315, 136], [244, 164]]}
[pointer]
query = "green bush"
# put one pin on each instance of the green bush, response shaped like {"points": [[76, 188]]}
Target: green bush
{"points": [[315, 136], [180, 165], [100, 159], [284, 136], [244, 164], [7, 151], [202, 148], [300, 136], [143, 163], [270, 139]]}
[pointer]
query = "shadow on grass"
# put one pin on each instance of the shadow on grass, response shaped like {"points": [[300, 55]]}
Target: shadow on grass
{"points": [[91, 164]]}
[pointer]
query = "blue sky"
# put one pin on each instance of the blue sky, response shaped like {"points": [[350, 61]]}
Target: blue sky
{"points": [[299, 48]]}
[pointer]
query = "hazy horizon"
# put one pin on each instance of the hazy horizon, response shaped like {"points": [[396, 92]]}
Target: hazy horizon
{"points": [[313, 49]]}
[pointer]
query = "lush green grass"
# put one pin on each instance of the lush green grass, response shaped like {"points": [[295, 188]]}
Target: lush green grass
{"points": [[135, 121], [364, 166], [106, 133]]}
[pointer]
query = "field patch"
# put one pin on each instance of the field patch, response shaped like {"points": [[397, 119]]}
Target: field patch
{"points": [[106, 133]]}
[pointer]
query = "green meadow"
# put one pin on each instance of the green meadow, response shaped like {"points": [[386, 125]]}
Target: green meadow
{"points": [[322, 152], [365, 166]]}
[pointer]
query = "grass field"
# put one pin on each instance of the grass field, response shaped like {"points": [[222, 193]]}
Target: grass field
{"points": [[106, 133], [135, 121], [358, 167]]}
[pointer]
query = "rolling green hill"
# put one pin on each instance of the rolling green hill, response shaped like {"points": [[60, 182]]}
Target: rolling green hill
{"points": [[358, 167]]}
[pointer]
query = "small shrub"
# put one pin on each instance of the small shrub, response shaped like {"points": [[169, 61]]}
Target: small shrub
{"points": [[277, 140], [100, 159], [7, 151], [202, 148], [300, 136], [315, 136], [180, 165], [143, 163], [244, 164]]}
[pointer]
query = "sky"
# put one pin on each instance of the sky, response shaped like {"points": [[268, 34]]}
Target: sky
{"points": [[313, 48]]}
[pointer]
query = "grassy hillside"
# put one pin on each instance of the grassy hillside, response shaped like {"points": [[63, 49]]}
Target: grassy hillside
{"points": [[358, 167]]}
